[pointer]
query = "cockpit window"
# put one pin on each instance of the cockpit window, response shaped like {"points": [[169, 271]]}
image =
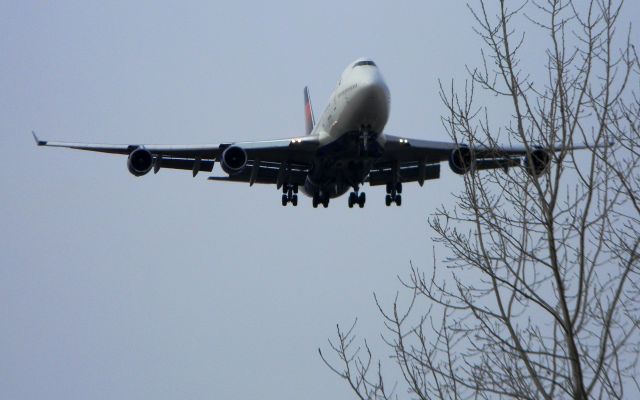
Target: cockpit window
{"points": [[359, 63]]}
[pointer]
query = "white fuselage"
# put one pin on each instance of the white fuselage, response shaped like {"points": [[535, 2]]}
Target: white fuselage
{"points": [[360, 102]]}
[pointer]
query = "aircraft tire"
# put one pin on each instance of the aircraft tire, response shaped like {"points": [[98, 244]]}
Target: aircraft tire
{"points": [[294, 200], [362, 199], [398, 200], [387, 200], [285, 200]]}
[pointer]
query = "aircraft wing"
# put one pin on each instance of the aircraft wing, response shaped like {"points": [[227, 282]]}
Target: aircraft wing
{"points": [[403, 150], [416, 160], [296, 151]]}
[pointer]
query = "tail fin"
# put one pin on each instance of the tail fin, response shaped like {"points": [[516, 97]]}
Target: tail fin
{"points": [[309, 119]]}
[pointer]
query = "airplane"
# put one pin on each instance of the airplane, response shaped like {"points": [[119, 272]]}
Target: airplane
{"points": [[343, 151]]}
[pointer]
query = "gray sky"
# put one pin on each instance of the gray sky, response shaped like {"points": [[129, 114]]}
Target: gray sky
{"points": [[166, 286]]}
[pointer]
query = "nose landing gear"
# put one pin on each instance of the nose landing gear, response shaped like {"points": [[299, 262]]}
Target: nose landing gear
{"points": [[367, 145]]}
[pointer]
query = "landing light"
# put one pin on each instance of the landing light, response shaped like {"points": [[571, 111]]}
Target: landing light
{"points": [[296, 140], [404, 141]]}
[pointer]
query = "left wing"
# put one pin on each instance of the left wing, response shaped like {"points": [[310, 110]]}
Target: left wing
{"points": [[416, 160]]}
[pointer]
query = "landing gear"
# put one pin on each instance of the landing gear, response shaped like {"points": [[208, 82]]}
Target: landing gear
{"points": [[362, 199], [318, 199], [359, 199], [393, 194], [367, 142], [394, 187], [289, 195]]}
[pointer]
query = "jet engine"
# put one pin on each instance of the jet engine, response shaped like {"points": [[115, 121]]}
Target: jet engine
{"points": [[538, 162], [234, 159], [140, 161], [460, 160]]}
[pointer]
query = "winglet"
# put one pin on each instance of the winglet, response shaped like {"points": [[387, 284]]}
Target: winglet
{"points": [[38, 141]]}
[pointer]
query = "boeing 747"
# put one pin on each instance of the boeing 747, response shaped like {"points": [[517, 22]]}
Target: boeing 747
{"points": [[343, 151]]}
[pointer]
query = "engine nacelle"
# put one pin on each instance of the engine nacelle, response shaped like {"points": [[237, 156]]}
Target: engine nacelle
{"points": [[140, 161], [540, 160], [460, 160], [234, 159]]}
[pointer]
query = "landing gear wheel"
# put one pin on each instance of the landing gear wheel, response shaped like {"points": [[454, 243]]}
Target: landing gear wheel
{"points": [[398, 200], [316, 201], [285, 200], [325, 202], [362, 199], [387, 200], [294, 200], [352, 199], [399, 187], [389, 188]]}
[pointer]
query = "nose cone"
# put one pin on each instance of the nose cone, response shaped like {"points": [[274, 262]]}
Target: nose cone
{"points": [[371, 98], [372, 87]]}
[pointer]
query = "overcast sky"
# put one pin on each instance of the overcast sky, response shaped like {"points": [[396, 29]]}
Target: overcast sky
{"points": [[166, 286]]}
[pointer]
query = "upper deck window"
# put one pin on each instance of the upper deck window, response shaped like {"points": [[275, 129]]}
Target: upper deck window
{"points": [[359, 63]]}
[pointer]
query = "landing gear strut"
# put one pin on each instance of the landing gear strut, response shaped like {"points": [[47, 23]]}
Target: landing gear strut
{"points": [[320, 199], [367, 140], [393, 194], [289, 195], [355, 198]]}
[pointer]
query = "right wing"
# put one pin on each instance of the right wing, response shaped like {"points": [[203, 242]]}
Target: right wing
{"points": [[268, 154]]}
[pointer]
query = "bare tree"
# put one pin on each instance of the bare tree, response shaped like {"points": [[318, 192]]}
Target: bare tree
{"points": [[541, 297]]}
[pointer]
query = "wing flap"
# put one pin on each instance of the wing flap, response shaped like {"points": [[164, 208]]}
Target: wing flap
{"points": [[184, 163], [265, 174], [414, 173]]}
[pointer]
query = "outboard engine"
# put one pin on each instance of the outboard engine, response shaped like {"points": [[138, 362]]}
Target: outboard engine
{"points": [[234, 159], [460, 160], [140, 161], [539, 160]]}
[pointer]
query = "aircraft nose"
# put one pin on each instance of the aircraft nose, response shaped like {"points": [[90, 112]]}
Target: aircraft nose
{"points": [[373, 86], [372, 77]]}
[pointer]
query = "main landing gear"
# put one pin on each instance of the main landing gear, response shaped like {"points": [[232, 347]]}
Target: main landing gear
{"points": [[320, 199], [393, 194], [355, 198], [290, 195]]}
